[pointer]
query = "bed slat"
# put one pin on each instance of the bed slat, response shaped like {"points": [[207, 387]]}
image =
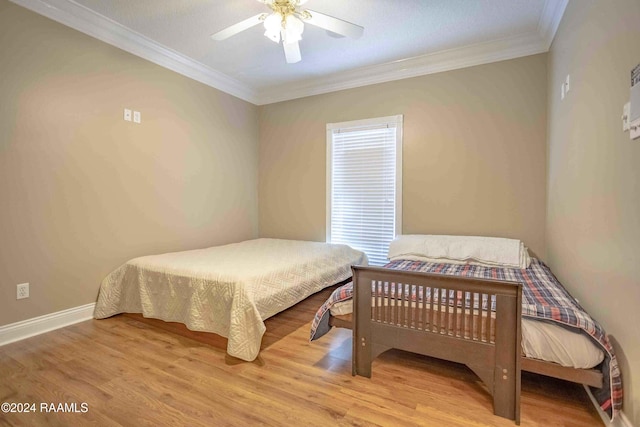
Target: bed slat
{"points": [[487, 326], [455, 313]]}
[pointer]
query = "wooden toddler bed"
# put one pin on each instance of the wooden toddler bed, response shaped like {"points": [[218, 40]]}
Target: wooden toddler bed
{"points": [[442, 316], [471, 314]]}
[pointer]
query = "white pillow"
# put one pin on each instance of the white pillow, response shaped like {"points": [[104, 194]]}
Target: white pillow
{"points": [[478, 250]]}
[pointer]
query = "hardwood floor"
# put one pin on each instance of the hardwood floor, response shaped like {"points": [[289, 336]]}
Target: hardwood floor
{"points": [[144, 373]]}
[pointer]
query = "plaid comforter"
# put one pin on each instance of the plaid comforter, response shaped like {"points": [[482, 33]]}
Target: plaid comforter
{"points": [[543, 297]]}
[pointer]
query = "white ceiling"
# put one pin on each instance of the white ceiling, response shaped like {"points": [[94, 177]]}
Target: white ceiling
{"points": [[402, 38]]}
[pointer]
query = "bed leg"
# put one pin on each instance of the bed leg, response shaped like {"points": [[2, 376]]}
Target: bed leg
{"points": [[362, 357], [504, 396]]}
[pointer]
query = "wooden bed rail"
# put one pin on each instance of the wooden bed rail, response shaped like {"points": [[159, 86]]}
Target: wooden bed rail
{"points": [[466, 320]]}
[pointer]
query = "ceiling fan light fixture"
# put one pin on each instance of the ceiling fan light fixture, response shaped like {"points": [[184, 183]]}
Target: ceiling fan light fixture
{"points": [[273, 26]]}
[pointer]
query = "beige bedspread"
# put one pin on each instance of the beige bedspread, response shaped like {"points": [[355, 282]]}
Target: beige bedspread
{"points": [[229, 290]]}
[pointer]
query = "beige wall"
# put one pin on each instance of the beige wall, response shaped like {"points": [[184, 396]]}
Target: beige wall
{"points": [[593, 219], [82, 190], [473, 155]]}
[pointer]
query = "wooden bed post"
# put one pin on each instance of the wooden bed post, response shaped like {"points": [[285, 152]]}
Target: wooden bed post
{"points": [[361, 356], [506, 382]]}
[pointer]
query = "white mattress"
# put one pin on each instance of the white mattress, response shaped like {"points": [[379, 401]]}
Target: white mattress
{"points": [[228, 290], [540, 340]]}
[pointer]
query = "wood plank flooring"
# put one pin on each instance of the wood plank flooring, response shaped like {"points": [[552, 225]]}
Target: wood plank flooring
{"points": [[148, 373]]}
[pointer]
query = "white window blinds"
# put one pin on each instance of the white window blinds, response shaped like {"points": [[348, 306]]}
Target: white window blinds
{"points": [[363, 184]]}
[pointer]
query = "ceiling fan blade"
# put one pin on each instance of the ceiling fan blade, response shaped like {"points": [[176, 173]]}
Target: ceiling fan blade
{"points": [[240, 26], [292, 52], [334, 25]]}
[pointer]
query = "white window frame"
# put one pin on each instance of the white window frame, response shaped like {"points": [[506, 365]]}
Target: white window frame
{"points": [[353, 125]]}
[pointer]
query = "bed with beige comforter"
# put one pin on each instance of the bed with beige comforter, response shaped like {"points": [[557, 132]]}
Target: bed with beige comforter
{"points": [[228, 290]]}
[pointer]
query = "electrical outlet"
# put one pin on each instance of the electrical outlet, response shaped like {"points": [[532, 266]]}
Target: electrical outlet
{"points": [[22, 291], [136, 117]]}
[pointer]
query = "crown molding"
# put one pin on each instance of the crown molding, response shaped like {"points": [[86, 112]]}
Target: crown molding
{"points": [[550, 19], [467, 56], [78, 17]]}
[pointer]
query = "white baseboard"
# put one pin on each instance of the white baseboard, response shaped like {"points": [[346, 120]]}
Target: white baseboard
{"points": [[620, 421], [49, 322]]}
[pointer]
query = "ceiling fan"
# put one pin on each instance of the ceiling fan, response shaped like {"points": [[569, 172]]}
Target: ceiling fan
{"points": [[286, 22]]}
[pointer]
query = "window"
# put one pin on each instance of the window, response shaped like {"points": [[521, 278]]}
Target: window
{"points": [[364, 181]]}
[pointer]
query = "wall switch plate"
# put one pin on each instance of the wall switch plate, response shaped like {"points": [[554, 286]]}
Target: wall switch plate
{"points": [[136, 117], [22, 291], [567, 84], [127, 114], [562, 91], [626, 112]]}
